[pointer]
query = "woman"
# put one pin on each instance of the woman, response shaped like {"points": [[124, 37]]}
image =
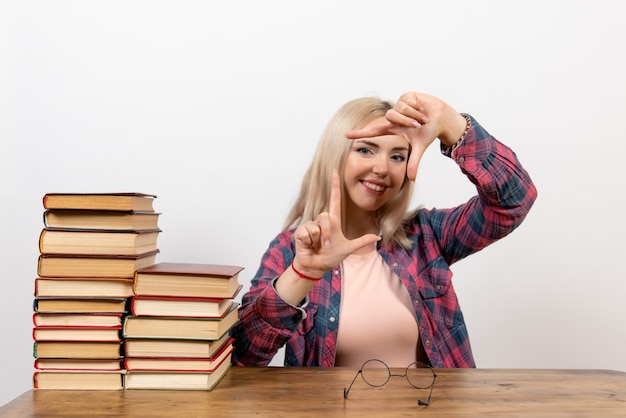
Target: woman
{"points": [[353, 276]]}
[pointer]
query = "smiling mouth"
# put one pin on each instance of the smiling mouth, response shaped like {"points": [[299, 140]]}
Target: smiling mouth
{"points": [[374, 187]]}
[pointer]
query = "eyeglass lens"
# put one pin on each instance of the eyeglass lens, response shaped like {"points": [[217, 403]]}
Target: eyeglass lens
{"points": [[376, 373]]}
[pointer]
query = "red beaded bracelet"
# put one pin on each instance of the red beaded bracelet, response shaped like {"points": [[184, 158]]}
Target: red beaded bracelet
{"points": [[303, 276]]}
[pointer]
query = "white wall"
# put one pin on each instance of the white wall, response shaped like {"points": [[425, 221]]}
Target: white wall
{"points": [[216, 107]]}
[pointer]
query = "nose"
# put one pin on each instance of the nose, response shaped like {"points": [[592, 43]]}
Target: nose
{"points": [[381, 166]]}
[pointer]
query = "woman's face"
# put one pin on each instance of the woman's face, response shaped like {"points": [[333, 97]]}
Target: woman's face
{"points": [[375, 170]]}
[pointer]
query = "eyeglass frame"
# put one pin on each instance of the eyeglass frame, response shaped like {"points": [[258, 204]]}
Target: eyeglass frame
{"points": [[420, 364]]}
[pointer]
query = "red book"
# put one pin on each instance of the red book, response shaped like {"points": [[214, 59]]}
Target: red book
{"points": [[179, 364], [78, 364], [143, 305]]}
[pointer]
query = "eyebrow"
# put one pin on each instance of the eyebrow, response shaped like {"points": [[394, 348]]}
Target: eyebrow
{"points": [[376, 145]]}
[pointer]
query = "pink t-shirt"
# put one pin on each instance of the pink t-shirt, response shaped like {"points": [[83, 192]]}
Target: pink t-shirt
{"points": [[377, 318]]}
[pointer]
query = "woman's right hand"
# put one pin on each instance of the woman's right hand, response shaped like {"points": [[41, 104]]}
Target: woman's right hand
{"points": [[321, 244]]}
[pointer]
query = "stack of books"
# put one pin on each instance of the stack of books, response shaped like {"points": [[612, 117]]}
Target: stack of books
{"points": [[90, 247], [176, 335]]}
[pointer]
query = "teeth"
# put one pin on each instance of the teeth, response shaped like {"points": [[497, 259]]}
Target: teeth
{"points": [[373, 186]]}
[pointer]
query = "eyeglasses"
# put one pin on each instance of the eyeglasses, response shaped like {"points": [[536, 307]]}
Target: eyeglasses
{"points": [[376, 373]]}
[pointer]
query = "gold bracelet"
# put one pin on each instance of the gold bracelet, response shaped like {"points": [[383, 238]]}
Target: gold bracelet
{"points": [[467, 128]]}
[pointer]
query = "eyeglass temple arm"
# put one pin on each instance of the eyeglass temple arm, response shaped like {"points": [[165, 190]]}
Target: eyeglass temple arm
{"points": [[346, 391], [430, 395]]}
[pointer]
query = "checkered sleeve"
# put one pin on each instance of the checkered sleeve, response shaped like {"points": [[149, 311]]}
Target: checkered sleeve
{"points": [[266, 321], [505, 195]]}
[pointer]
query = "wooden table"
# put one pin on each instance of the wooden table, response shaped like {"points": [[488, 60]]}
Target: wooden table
{"points": [[318, 392]]}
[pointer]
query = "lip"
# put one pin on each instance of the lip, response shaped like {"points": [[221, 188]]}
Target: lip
{"points": [[373, 186]]}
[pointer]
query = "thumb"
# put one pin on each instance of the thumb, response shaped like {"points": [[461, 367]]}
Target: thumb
{"points": [[362, 241], [414, 161]]}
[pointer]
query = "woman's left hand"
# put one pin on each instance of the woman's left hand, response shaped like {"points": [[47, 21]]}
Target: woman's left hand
{"points": [[420, 118]]}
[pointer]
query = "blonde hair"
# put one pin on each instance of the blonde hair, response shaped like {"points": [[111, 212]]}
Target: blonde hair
{"points": [[330, 156]]}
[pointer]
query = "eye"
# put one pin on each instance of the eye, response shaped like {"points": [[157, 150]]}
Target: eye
{"points": [[364, 150], [398, 158]]}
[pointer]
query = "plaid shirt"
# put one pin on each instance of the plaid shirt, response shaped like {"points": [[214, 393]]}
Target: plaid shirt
{"points": [[440, 238]]}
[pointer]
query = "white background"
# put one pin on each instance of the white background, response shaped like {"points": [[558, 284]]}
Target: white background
{"points": [[216, 107]]}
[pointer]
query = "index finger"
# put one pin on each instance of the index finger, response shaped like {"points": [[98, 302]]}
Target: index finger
{"points": [[333, 217], [369, 132], [334, 206]]}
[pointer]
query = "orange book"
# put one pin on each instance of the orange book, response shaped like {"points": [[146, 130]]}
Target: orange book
{"points": [[81, 304], [122, 201], [87, 319], [187, 280], [77, 349], [97, 241], [79, 265], [174, 348], [177, 380], [100, 219], [181, 327], [104, 334], [79, 379], [113, 287]]}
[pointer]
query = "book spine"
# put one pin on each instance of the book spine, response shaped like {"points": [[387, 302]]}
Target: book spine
{"points": [[43, 232]]}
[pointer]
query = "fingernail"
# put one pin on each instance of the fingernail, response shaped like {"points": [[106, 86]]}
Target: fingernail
{"points": [[416, 124], [327, 243]]}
